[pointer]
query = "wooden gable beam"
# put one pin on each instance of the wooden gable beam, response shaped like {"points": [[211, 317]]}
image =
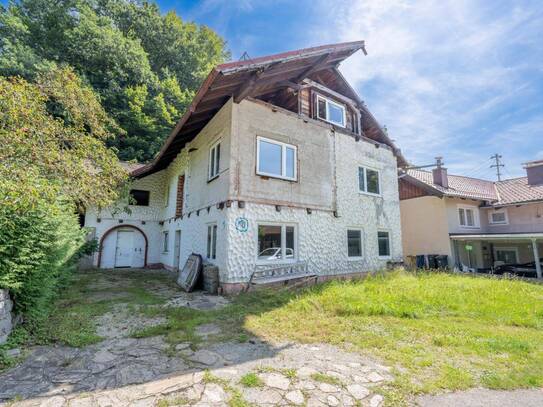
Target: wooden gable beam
{"points": [[317, 66], [248, 86]]}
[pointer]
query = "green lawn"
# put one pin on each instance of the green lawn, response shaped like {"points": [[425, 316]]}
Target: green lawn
{"points": [[439, 331]]}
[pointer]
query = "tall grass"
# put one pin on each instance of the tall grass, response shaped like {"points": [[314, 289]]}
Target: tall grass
{"points": [[440, 331]]}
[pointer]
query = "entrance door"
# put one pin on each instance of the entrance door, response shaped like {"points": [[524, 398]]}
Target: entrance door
{"points": [[124, 249], [177, 249]]}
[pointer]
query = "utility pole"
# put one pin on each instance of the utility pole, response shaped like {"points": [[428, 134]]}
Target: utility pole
{"points": [[498, 164]]}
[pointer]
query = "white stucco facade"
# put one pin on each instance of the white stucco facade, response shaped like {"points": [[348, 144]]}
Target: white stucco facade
{"points": [[322, 203]]}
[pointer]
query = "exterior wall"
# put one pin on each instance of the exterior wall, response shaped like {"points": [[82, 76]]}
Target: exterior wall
{"points": [[522, 219], [315, 185], [328, 180], [453, 219], [327, 183], [425, 229], [200, 194]]}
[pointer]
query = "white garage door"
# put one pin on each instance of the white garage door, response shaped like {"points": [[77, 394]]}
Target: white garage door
{"points": [[124, 247]]}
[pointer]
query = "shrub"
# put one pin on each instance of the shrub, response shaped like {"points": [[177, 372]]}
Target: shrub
{"points": [[39, 243]]}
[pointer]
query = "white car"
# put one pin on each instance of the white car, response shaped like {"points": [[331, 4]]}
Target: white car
{"points": [[274, 253]]}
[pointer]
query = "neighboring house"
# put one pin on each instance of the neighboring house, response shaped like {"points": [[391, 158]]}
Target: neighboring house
{"points": [[276, 165], [479, 224]]}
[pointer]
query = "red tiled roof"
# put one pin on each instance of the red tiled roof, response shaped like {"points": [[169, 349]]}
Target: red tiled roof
{"points": [[507, 192], [461, 187], [517, 190]]}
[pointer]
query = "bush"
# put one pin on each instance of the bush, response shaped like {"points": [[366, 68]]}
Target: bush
{"points": [[39, 245]]}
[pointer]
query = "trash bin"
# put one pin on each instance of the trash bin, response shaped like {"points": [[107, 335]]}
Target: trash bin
{"points": [[421, 261], [442, 261], [432, 261]]}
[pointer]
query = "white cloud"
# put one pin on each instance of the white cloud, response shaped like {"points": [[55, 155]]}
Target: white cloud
{"points": [[440, 74]]}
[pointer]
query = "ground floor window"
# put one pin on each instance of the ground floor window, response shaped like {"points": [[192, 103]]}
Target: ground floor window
{"points": [[165, 242], [212, 242], [383, 239], [354, 243], [276, 242], [509, 255]]}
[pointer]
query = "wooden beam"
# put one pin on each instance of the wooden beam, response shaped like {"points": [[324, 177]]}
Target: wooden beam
{"points": [[246, 88], [317, 66], [331, 92]]}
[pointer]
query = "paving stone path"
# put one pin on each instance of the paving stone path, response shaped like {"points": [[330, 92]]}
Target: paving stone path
{"points": [[125, 371]]}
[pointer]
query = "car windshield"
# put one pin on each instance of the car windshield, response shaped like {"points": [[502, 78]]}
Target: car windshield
{"points": [[270, 252]]}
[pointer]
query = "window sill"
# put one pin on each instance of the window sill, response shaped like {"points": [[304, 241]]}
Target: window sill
{"points": [[470, 227], [385, 257], [370, 194], [355, 258], [498, 224], [213, 178], [266, 176], [332, 123]]}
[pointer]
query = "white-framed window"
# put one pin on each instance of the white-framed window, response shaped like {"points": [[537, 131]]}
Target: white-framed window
{"points": [[468, 216], [383, 244], [276, 243], [214, 161], [212, 241], [354, 243], [167, 195], [369, 181], [276, 159], [509, 255], [498, 217], [330, 111], [165, 242]]}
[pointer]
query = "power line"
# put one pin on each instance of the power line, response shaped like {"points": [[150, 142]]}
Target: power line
{"points": [[498, 165]]}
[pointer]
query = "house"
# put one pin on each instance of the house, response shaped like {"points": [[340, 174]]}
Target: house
{"points": [[277, 168], [478, 224]]}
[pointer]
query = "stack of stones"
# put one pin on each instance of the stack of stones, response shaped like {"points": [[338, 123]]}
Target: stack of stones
{"points": [[5, 315]]}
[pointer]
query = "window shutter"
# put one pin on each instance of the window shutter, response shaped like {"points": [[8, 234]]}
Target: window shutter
{"points": [[180, 196]]}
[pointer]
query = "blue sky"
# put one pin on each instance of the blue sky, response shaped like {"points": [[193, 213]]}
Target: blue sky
{"points": [[460, 79]]}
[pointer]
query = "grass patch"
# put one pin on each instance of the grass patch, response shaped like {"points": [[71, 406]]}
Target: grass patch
{"points": [[447, 332], [325, 378], [90, 294], [251, 380]]}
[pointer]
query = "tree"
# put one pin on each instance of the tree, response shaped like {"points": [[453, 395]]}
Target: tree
{"points": [[56, 130], [144, 66], [54, 159]]}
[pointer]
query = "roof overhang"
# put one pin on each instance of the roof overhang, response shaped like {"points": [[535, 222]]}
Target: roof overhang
{"points": [[241, 79], [495, 236]]}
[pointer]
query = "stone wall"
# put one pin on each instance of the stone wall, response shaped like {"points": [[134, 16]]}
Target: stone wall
{"points": [[5, 315]]}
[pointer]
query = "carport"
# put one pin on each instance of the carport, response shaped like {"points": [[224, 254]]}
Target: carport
{"points": [[484, 252]]}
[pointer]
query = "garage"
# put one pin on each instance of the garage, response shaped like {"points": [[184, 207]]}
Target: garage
{"points": [[123, 247]]}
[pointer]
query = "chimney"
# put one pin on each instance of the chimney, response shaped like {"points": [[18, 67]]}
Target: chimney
{"points": [[440, 174], [534, 171]]}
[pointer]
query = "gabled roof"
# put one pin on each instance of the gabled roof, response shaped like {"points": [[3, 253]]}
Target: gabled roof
{"points": [[506, 192], [240, 78], [459, 186], [517, 190]]}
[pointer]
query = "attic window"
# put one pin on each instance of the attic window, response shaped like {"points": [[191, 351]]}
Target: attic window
{"points": [[330, 111], [139, 197]]}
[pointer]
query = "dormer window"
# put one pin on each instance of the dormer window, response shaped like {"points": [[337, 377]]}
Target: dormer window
{"points": [[330, 111]]}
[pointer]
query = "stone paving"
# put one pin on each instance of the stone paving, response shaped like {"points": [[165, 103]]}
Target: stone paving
{"points": [[125, 371]]}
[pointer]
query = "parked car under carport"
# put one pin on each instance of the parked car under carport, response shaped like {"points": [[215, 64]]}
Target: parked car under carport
{"points": [[521, 270]]}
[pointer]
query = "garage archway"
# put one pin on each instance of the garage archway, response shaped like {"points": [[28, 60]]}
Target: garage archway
{"points": [[116, 240]]}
